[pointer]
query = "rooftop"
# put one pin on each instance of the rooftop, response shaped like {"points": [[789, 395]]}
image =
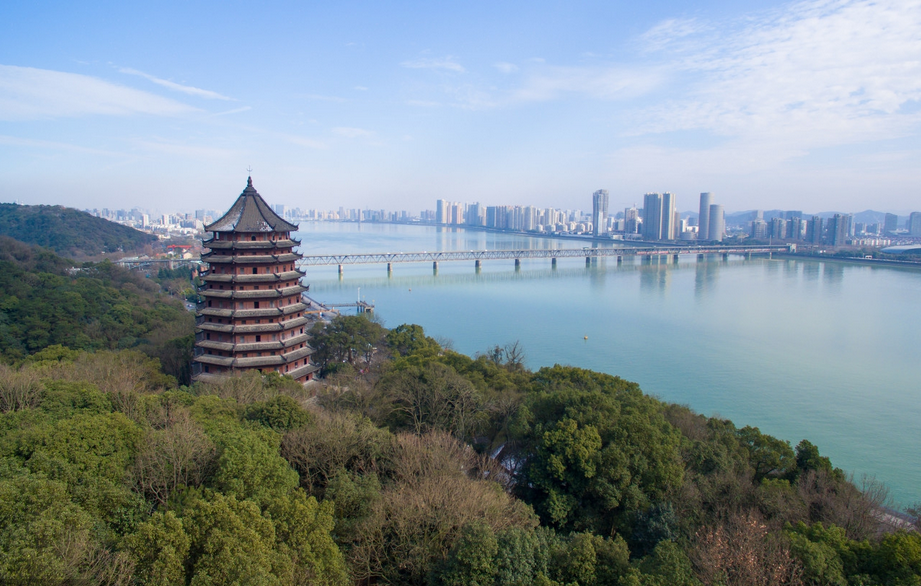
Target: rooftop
{"points": [[250, 213]]}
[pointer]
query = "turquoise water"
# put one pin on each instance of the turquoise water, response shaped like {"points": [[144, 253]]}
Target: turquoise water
{"points": [[801, 349]]}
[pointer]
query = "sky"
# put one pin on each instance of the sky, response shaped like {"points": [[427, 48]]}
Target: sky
{"points": [[812, 105]]}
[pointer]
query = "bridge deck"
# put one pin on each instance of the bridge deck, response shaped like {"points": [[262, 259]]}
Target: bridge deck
{"points": [[480, 255]]}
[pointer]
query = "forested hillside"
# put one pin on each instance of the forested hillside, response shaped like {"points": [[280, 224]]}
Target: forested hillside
{"points": [[411, 464], [47, 300], [69, 232]]}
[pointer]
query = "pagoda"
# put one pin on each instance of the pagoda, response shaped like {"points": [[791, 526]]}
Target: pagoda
{"points": [[251, 316]]}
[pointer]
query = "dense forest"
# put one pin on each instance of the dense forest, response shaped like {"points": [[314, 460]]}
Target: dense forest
{"points": [[408, 464], [47, 300], [69, 232]]}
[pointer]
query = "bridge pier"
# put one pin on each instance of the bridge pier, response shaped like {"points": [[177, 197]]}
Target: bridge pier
{"points": [[675, 259], [725, 256], [620, 259], [340, 269], [588, 261], [553, 262], [477, 264], [389, 267], [700, 257], [517, 263], [435, 266]]}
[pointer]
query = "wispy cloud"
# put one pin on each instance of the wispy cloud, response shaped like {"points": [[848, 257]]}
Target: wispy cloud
{"points": [[506, 67], [57, 146], [360, 88], [349, 132], [323, 98], [438, 63], [234, 111], [304, 142], [604, 83], [816, 73], [176, 87], [29, 94], [184, 149]]}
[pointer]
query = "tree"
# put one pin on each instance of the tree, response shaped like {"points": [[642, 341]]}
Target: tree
{"points": [[178, 456], [409, 339], [346, 338], [592, 447]]}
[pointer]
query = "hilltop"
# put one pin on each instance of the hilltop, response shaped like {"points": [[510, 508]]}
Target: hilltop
{"points": [[68, 231]]}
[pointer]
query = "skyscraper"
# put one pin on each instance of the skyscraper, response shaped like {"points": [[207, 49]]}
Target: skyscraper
{"points": [[717, 225], [669, 230], [441, 211], [652, 216], [891, 223], [703, 219], [599, 211], [914, 224]]}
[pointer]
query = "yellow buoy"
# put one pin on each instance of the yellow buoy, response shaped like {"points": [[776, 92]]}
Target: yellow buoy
{"points": [[585, 338]]}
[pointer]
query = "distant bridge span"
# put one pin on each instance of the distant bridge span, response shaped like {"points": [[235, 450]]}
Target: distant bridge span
{"points": [[517, 255]]}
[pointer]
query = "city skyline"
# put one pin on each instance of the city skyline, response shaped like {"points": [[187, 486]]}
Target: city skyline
{"points": [[776, 104]]}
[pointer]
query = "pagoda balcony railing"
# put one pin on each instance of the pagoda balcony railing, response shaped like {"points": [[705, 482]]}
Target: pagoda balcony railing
{"points": [[258, 294], [208, 241], [249, 244], [268, 328], [212, 258], [255, 346], [259, 278]]}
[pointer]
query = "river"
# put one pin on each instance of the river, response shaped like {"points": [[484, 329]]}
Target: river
{"points": [[799, 348]]}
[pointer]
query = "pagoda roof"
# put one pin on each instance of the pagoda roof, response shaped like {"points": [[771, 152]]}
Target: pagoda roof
{"points": [[250, 213]]}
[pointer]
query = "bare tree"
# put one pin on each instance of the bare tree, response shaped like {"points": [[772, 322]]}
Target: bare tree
{"points": [[742, 552], [19, 389], [180, 455]]}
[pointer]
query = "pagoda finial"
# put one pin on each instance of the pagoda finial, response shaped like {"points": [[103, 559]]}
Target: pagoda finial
{"points": [[249, 178]]}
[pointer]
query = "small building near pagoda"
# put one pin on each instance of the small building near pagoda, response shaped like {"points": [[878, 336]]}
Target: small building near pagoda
{"points": [[252, 316]]}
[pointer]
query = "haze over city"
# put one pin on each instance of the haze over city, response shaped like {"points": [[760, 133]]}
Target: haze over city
{"points": [[805, 105]]}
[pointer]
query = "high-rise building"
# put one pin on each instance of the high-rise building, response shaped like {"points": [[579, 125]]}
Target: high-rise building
{"points": [[669, 230], [838, 228], [631, 220], [759, 229], [795, 229], [441, 211], [814, 230], [599, 211], [252, 316], [717, 223], [778, 228], [703, 218], [652, 216], [891, 223], [914, 224]]}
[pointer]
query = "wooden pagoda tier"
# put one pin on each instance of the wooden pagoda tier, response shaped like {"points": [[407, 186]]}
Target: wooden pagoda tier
{"points": [[251, 316]]}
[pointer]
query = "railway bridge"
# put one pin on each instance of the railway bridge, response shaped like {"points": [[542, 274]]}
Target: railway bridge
{"points": [[478, 256]]}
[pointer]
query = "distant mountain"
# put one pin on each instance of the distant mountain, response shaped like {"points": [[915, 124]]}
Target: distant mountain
{"points": [[69, 232]]}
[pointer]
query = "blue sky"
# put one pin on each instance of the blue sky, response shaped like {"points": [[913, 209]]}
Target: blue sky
{"points": [[807, 105]]}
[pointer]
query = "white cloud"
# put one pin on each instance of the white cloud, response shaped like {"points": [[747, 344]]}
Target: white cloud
{"points": [[445, 63], [361, 88], [352, 132], [58, 146], [186, 150], [813, 74], [29, 94], [605, 83], [506, 67], [185, 89], [234, 111], [304, 142]]}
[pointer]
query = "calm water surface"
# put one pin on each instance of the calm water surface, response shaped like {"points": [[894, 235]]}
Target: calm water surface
{"points": [[801, 349]]}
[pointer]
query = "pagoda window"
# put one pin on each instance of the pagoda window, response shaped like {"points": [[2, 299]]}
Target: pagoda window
{"points": [[258, 338], [255, 305], [252, 238], [209, 303], [255, 270], [208, 336]]}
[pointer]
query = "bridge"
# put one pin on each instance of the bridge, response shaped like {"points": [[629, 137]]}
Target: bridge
{"points": [[478, 256]]}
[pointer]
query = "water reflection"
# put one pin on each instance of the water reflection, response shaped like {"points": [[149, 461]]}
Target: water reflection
{"points": [[705, 278]]}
